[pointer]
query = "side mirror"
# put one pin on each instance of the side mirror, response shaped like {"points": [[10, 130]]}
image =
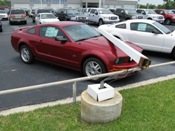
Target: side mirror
{"points": [[155, 32], [61, 38], [96, 13]]}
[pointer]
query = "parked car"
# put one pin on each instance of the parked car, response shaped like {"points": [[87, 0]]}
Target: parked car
{"points": [[126, 14], [73, 45], [37, 11], [148, 34], [17, 15], [43, 18], [151, 15], [71, 15], [168, 15], [102, 16], [0, 26], [3, 15]]}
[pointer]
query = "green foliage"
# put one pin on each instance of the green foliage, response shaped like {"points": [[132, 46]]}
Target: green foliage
{"points": [[168, 4], [5, 3], [148, 108]]}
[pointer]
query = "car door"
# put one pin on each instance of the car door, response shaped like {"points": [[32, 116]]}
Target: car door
{"points": [[55, 51], [48, 48], [37, 19], [146, 36], [92, 15]]}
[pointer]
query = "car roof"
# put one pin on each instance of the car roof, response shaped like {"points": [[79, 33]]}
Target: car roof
{"points": [[139, 20], [64, 23]]}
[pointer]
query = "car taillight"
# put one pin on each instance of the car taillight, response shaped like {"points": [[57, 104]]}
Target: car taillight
{"points": [[23, 15], [12, 16]]}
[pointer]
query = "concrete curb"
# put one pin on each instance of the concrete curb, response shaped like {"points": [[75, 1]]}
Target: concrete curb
{"points": [[70, 100]]}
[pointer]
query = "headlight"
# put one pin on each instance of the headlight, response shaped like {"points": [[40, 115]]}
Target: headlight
{"points": [[120, 60], [87, 18], [173, 17]]}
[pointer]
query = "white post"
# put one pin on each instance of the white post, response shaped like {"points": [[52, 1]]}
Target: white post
{"points": [[41, 3], [59, 4], [99, 4], [74, 92]]}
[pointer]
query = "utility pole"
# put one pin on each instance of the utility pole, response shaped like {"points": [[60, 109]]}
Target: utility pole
{"points": [[41, 3], [99, 4]]}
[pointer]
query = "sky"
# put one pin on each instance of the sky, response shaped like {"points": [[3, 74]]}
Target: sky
{"points": [[154, 2]]}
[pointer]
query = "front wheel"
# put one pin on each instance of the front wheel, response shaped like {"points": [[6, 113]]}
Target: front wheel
{"points": [[26, 54], [94, 66], [100, 22]]}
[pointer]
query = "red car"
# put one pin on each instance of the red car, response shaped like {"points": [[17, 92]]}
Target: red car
{"points": [[168, 15], [72, 45]]}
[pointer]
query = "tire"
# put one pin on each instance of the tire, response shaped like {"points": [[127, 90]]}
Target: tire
{"points": [[10, 22], [25, 22], [168, 21], [33, 21], [26, 54], [1, 29], [100, 22], [90, 66]]}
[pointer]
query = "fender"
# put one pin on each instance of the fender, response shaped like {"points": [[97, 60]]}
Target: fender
{"points": [[98, 54], [115, 33]]}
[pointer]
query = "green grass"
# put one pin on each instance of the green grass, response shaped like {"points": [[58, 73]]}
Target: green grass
{"points": [[150, 108]]}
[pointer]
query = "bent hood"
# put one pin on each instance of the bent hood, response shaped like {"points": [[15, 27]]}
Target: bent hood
{"points": [[105, 45]]}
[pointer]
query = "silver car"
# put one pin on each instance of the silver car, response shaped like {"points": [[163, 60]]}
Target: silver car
{"points": [[17, 15]]}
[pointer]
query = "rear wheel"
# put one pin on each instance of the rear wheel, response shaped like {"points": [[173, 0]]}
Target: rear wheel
{"points": [[168, 21], [94, 66], [1, 30], [25, 22], [10, 22], [100, 22], [26, 54]]}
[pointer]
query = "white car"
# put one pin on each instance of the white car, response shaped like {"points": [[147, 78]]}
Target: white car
{"points": [[148, 34], [42, 18], [3, 14], [102, 16], [151, 15]]}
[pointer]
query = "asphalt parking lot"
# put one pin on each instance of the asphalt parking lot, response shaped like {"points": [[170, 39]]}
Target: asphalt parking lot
{"points": [[15, 74]]}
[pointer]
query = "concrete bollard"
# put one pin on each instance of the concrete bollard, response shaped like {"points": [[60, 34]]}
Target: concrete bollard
{"points": [[93, 111]]}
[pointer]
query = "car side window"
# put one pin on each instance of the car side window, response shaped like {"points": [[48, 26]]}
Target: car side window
{"points": [[92, 11], [50, 32], [143, 27], [122, 26], [31, 31]]}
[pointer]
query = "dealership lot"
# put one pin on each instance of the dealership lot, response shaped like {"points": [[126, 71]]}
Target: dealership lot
{"points": [[14, 74]]}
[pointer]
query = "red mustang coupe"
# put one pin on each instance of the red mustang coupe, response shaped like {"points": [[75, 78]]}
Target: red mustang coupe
{"points": [[72, 45]]}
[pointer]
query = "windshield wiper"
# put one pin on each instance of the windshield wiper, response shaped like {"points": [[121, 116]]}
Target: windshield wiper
{"points": [[81, 39]]}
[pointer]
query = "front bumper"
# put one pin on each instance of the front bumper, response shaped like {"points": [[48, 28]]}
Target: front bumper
{"points": [[110, 21], [17, 19]]}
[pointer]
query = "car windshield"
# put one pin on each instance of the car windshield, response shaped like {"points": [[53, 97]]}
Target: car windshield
{"points": [[81, 32], [130, 11], [3, 12], [162, 28], [44, 11], [104, 11], [17, 12], [47, 16], [169, 11], [72, 11], [150, 11]]}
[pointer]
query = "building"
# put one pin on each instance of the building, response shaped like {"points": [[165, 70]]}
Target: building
{"points": [[55, 4]]}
